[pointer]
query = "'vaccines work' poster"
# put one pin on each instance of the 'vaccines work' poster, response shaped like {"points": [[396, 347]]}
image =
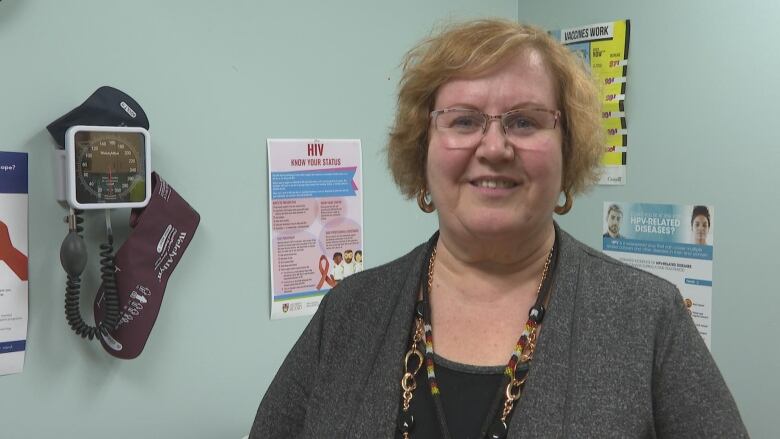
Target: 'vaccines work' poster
{"points": [[604, 49]]}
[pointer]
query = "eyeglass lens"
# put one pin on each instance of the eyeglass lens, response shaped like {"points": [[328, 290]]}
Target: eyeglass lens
{"points": [[468, 126]]}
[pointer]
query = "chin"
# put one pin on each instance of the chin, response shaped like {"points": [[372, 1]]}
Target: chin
{"points": [[491, 232], [492, 223], [494, 229]]}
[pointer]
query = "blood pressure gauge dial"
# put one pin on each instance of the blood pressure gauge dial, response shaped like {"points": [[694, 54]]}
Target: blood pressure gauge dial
{"points": [[108, 167]]}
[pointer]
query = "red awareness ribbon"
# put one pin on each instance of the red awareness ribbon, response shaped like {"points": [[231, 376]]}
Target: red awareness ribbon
{"points": [[324, 273]]}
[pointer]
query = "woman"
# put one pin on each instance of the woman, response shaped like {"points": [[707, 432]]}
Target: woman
{"points": [[358, 261], [700, 224], [523, 330]]}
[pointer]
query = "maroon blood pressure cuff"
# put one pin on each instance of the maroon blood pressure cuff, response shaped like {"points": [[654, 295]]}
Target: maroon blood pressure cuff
{"points": [[161, 233]]}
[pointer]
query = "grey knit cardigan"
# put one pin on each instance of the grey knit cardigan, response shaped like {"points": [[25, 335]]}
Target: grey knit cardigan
{"points": [[618, 357]]}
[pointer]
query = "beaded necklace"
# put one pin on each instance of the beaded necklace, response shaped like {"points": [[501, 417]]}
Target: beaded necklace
{"points": [[516, 371]]}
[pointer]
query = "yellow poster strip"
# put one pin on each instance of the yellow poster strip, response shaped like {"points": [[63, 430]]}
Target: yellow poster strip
{"points": [[604, 48]]}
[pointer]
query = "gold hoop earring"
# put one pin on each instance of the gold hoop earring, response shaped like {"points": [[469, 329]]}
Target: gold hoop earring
{"points": [[424, 201], [563, 210]]}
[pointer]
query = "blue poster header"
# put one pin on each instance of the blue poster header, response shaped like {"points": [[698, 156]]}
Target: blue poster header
{"points": [[313, 184], [659, 222], [13, 172]]}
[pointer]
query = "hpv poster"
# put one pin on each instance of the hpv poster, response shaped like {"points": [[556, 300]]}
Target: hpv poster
{"points": [[316, 220], [604, 48], [13, 261], [674, 242]]}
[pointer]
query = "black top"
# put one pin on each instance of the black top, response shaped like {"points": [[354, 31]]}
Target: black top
{"points": [[468, 393]]}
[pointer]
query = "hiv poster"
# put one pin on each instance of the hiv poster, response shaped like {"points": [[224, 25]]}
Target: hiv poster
{"points": [[604, 49], [315, 218], [674, 242], [13, 261]]}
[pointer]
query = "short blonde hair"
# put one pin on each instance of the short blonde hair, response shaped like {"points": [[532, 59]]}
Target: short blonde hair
{"points": [[469, 49]]}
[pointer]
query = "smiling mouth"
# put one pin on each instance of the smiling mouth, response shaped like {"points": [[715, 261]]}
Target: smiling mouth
{"points": [[494, 183]]}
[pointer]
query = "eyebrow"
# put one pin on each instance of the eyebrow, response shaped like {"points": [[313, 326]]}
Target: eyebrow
{"points": [[532, 104], [518, 106]]}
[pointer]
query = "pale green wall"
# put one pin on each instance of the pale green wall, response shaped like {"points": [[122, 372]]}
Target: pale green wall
{"points": [[703, 120], [216, 79]]}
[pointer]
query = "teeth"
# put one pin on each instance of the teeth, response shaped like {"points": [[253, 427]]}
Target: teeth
{"points": [[492, 184]]}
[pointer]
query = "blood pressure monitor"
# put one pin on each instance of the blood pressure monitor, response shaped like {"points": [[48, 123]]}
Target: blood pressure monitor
{"points": [[107, 167], [99, 164]]}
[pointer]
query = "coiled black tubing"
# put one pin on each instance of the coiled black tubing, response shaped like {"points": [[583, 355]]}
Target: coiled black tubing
{"points": [[73, 289]]}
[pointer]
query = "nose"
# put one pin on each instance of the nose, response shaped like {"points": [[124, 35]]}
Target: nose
{"points": [[494, 145]]}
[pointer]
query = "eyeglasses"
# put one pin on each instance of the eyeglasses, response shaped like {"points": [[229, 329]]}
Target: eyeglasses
{"points": [[466, 127]]}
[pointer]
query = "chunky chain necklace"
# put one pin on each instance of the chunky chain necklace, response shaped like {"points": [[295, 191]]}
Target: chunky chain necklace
{"points": [[516, 370]]}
